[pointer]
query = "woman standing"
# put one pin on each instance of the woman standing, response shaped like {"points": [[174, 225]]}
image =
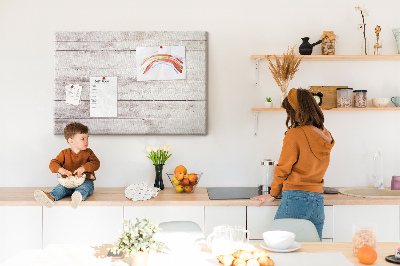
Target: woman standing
{"points": [[305, 156]]}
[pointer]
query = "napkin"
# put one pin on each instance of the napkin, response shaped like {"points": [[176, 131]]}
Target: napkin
{"points": [[310, 259]]}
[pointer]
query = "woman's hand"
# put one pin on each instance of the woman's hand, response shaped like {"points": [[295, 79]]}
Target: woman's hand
{"points": [[263, 198]]}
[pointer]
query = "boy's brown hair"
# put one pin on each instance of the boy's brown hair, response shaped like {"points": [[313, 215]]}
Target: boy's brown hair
{"points": [[74, 128], [308, 113]]}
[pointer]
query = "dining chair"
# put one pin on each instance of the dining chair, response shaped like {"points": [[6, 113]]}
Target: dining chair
{"points": [[304, 230]]}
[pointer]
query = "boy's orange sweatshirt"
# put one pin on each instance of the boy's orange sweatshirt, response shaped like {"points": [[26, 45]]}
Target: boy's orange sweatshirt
{"points": [[71, 161], [303, 161]]}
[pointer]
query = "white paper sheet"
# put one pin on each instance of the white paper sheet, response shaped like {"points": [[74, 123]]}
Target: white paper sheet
{"points": [[310, 259], [73, 94], [161, 63], [103, 97]]}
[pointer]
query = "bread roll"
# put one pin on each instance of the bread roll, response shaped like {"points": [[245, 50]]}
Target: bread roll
{"points": [[226, 260], [239, 262], [259, 253], [252, 262], [243, 254], [265, 261]]}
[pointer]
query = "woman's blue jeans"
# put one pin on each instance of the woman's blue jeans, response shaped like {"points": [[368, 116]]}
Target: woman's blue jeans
{"points": [[86, 189], [306, 205]]}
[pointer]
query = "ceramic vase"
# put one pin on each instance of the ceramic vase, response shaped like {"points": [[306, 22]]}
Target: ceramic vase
{"points": [[159, 181], [268, 104], [139, 258], [396, 33]]}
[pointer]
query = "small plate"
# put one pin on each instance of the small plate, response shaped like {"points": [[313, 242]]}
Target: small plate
{"points": [[293, 247], [392, 259]]}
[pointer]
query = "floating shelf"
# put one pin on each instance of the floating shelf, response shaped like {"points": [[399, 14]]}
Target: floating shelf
{"points": [[257, 110], [336, 57], [332, 109]]}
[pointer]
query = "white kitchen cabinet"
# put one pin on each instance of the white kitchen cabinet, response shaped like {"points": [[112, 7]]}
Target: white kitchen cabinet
{"points": [[20, 229], [218, 215], [259, 219], [85, 225], [159, 214], [386, 217]]}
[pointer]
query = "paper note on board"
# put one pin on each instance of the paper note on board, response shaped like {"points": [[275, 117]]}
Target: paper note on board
{"points": [[103, 97], [73, 94], [161, 63]]}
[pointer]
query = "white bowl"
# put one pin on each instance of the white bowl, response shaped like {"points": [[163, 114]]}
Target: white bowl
{"points": [[279, 240], [380, 102], [72, 181]]}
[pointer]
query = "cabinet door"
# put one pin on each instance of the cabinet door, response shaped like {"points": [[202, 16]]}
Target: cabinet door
{"points": [[159, 214], [218, 215], [20, 229], [259, 219], [85, 225], [386, 217]]}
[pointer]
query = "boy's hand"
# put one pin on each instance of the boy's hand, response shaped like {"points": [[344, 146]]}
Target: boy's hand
{"points": [[79, 171], [263, 198], [63, 171]]}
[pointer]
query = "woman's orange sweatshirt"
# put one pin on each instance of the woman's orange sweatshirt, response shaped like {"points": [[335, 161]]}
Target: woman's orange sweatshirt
{"points": [[303, 161]]}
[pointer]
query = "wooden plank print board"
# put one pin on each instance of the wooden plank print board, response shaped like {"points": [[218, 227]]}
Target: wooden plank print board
{"points": [[143, 107]]}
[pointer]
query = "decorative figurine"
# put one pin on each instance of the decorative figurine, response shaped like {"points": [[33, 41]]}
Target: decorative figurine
{"points": [[378, 44]]}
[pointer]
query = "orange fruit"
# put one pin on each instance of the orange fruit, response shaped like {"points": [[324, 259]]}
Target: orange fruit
{"points": [[367, 255], [180, 169]]}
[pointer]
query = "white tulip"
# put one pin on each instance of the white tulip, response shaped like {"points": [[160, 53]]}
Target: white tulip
{"points": [[167, 148], [158, 147], [148, 149], [154, 149]]}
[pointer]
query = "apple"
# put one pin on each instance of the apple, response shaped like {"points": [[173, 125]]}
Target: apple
{"points": [[192, 178], [175, 181], [185, 182], [179, 188], [189, 188], [179, 175]]}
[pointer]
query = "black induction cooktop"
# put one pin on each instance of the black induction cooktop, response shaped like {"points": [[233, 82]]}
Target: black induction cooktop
{"points": [[225, 193]]}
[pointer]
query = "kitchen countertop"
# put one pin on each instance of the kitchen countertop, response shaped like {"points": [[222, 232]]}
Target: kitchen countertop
{"points": [[23, 196]]}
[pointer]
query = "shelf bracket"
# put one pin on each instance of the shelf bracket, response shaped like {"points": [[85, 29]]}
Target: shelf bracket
{"points": [[256, 69], [255, 122]]}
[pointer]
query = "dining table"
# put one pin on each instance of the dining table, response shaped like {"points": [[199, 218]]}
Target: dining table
{"points": [[72, 254]]}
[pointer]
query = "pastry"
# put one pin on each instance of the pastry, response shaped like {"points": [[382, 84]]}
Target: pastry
{"points": [[226, 260], [243, 254], [265, 261], [252, 262], [239, 262], [259, 253]]}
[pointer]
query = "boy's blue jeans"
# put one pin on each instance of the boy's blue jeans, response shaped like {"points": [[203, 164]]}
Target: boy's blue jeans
{"points": [[306, 205], [86, 189]]}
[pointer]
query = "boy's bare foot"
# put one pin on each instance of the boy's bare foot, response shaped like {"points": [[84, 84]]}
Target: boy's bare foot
{"points": [[44, 198], [76, 199]]}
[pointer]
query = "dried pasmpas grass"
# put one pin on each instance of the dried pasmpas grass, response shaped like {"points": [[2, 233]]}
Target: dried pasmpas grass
{"points": [[283, 71]]}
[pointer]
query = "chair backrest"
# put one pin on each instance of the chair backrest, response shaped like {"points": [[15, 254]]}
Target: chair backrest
{"points": [[304, 230]]}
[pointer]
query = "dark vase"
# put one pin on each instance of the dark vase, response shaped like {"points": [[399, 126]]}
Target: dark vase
{"points": [[159, 181], [306, 48]]}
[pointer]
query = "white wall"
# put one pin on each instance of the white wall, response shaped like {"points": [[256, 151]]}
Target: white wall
{"points": [[230, 153]]}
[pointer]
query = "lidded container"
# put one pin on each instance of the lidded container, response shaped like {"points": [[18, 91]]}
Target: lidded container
{"points": [[344, 97], [360, 98], [266, 176]]}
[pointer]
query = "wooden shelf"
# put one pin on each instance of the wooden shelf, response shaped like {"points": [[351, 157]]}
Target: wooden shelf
{"points": [[333, 109], [337, 57]]}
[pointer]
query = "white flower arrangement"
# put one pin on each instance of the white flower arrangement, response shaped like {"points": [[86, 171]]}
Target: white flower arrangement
{"points": [[157, 154], [137, 237]]}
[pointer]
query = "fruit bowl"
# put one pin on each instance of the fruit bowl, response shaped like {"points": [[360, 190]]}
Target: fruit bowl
{"points": [[72, 181], [186, 183]]}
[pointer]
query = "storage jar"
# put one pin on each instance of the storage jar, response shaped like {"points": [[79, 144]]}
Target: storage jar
{"points": [[344, 97], [360, 98]]}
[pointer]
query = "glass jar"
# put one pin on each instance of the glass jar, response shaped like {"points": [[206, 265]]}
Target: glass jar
{"points": [[360, 98], [364, 234], [266, 176], [344, 97]]}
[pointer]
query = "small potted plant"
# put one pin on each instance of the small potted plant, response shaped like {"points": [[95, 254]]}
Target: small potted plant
{"points": [[268, 102], [137, 240]]}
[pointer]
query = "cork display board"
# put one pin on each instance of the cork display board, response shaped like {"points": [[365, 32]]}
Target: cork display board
{"points": [[84, 60]]}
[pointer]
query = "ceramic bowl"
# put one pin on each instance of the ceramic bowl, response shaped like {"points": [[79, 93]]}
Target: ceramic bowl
{"points": [[187, 184], [380, 102], [279, 239]]}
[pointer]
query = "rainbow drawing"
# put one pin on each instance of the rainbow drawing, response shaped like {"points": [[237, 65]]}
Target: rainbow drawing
{"points": [[167, 59]]}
